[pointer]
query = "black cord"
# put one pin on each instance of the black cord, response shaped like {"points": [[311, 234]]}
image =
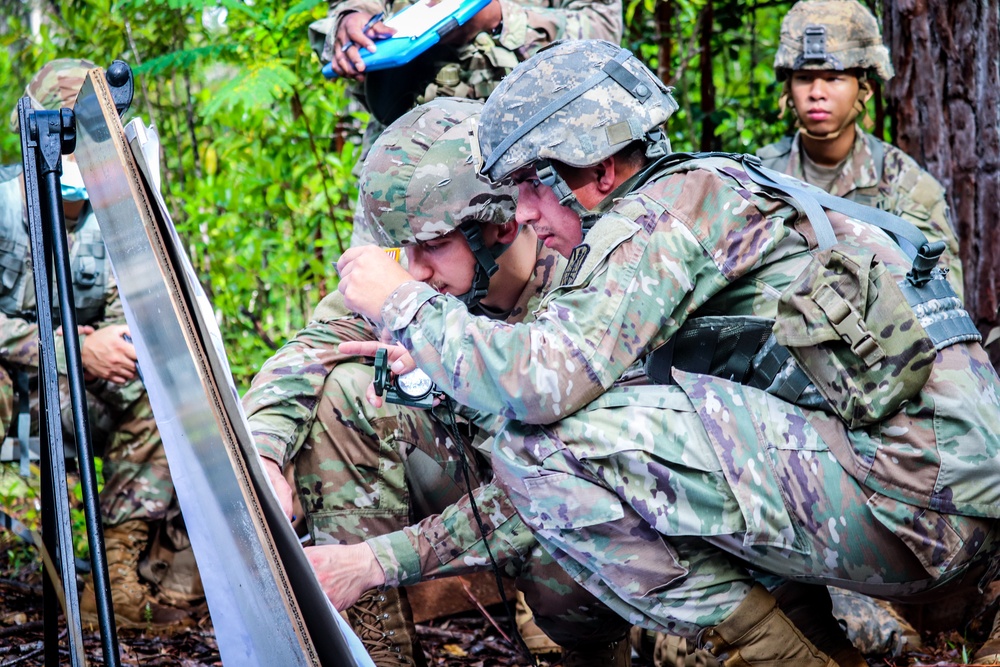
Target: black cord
{"points": [[464, 461]]}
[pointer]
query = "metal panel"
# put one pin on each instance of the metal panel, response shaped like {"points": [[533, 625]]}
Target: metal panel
{"points": [[263, 613]]}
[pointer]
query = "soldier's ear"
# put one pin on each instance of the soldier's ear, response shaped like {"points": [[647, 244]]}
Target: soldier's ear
{"points": [[607, 173], [507, 232]]}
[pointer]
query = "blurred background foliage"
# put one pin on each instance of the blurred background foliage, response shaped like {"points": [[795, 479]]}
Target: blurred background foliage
{"points": [[258, 148]]}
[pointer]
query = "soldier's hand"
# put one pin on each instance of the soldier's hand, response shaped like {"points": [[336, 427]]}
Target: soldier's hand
{"points": [[400, 361], [282, 491], [367, 277], [354, 33], [345, 572], [105, 354]]}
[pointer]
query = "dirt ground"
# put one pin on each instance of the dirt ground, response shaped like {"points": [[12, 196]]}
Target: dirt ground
{"points": [[463, 640]]}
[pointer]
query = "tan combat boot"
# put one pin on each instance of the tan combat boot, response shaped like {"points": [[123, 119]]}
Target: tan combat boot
{"points": [[383, 621], [759, 633], [989, 653], [604, 654], [810, 608], [134, 603], [537, 641], [665, 650]]}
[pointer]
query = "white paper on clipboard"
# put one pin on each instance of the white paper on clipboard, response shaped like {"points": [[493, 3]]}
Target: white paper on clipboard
{"points": [[422, 16]]}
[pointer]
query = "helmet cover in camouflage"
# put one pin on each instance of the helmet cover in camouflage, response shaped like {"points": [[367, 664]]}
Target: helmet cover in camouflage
{"points": [[419, 180], [56, 85], [831, 35], [576, 102]]}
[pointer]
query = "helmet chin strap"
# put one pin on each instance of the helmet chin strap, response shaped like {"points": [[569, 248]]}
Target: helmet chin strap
{"points": [[657, 146], [864, 94], [548, 176], [486, 264]]}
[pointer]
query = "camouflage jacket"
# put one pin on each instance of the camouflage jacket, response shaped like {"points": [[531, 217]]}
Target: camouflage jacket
{"points": [[19, 335], [897, 185], [703, 238], [282, 401]]}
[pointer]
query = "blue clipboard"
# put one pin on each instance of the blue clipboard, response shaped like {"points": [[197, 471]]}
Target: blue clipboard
{"points": [[395, 51]]}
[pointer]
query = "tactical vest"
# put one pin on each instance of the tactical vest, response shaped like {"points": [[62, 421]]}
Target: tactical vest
{"points": [[87, 258], [830, 347], [778, 155]]}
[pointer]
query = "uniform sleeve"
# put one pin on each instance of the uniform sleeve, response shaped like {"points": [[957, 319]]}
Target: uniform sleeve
{"points": [[18, 342], [114, 311], [938, 223], [527, 28], [586, 335], [340, 9], [282, 400], [451, 544]]}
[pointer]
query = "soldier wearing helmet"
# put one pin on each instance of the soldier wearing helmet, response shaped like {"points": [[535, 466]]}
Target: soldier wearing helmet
{"points": [[657, 442], [366, 474], [830, 51], [154, 581], [475, 57]]}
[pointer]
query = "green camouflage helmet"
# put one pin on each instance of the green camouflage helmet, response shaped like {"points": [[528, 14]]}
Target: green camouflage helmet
{"points": [[419, 182], [831, 35], [56, 85], [576, 102]]}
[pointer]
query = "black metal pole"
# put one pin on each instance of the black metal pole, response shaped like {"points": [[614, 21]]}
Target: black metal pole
{"points": [[40, 149], [85, 456]]}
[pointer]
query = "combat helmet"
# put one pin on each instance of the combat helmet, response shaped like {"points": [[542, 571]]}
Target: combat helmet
{"points": [[56, 85], [419, 182], [831, 35], [839, 35], [575, 102]]}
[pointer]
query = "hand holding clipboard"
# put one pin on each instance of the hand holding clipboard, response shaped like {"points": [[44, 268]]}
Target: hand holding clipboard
{"points": [[367, 43]]}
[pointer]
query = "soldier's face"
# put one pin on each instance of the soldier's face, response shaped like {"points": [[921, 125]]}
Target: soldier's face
{"points": [[823, 98], [557, 226], [446, 263]]}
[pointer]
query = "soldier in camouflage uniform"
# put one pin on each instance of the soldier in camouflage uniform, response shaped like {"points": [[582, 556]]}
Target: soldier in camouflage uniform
{"points": [[478, 54], [143, 528], [365, 474], [829, 53], [718, 504]]}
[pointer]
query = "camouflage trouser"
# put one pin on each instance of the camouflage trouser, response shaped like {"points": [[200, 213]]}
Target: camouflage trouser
{"points": [[671, 524], [364, 472], [136, 478]]}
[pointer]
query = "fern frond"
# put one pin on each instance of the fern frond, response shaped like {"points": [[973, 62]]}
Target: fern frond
{"points": [[258, 84], [184, 59]]}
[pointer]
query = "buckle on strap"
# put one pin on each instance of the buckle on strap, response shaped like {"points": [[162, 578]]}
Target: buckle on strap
{"points": [[923, 264], [847, 322]]}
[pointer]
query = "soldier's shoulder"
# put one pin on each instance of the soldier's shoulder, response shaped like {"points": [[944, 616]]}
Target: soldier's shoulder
{"points": [[778, 149], [903, 172]]}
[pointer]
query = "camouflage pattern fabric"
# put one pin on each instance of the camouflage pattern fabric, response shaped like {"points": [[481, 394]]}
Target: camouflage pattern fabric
{"points": [[873, 626], [709, 478], [627, 115], [900, 187], [137, 481], [367, 474], [851, 41], [401, 181], [56, 85]]}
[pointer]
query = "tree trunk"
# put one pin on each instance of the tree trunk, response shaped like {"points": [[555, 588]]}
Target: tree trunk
{"points": [[947, 104], [664, 20]]}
